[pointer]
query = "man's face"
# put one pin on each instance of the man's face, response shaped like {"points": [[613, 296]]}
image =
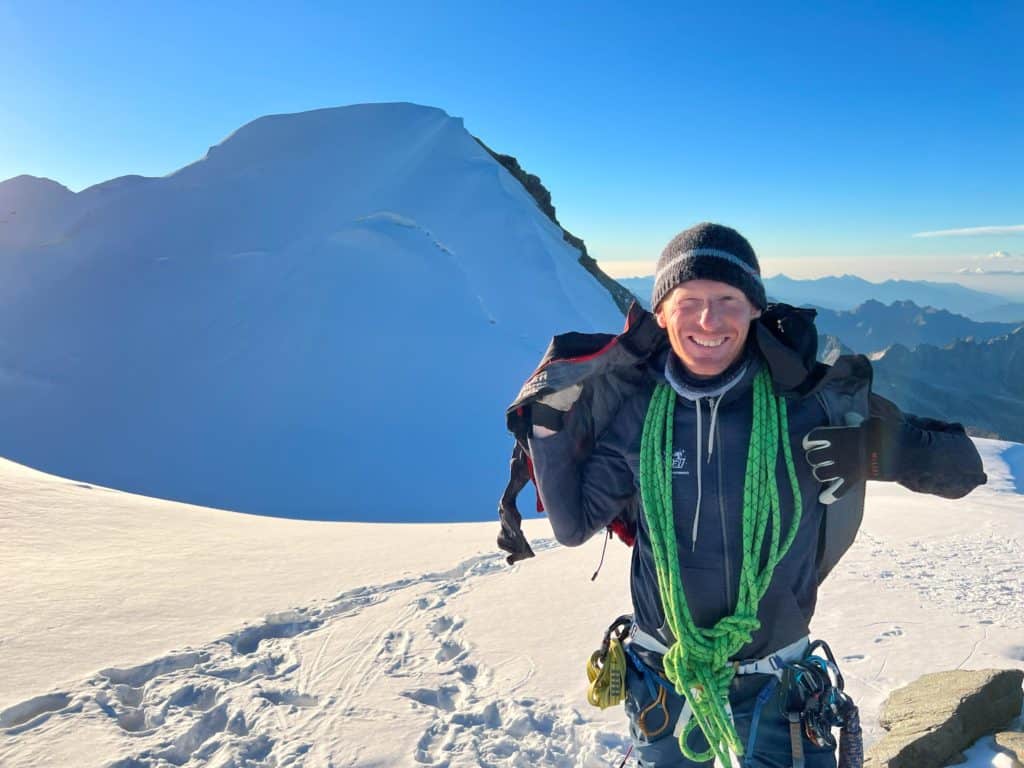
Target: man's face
{"points": [[707, 323]]}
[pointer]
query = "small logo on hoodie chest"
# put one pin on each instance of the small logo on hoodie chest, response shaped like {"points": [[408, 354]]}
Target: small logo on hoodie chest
{"points": [[679, 462]]}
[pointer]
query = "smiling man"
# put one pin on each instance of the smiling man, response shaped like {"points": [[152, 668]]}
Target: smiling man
{"points": [[739, 462]]}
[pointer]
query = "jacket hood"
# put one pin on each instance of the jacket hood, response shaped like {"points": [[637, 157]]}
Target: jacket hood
{"points": [[788, 341]]}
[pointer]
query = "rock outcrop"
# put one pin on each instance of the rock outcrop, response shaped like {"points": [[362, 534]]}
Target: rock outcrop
{"points": [[934, 719], [830, 348]]}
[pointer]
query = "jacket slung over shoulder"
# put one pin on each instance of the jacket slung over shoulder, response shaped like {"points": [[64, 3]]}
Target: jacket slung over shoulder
{"points": [[934, 456], [610, 368]]}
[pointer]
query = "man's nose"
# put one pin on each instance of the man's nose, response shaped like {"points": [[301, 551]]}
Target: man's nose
{"points": [[709, 315]]}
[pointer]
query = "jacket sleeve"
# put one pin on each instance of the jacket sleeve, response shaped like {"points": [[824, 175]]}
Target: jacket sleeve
{"points": [[931, 456], [581, 497]]}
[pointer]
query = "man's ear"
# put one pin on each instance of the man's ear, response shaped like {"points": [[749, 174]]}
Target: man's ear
{"points": [[757, 314], [659, 317]]}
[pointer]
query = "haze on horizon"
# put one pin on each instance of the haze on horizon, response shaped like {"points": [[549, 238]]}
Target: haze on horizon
{"points": [[875, 142]]}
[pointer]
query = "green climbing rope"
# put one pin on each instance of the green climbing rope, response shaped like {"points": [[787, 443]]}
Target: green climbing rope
{"points": [[698, 663]]}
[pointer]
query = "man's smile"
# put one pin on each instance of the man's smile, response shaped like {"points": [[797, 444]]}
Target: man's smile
{"points": [[709, 343]]}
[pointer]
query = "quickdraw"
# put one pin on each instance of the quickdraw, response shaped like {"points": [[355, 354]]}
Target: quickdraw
{"points": [[606, 667]]}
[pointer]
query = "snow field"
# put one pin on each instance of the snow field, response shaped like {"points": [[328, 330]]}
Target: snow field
{"points": [[412, 645]]}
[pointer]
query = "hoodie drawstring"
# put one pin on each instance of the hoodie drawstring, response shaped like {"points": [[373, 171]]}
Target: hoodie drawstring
{"points": [[714, 423], [713, 404], [714, 398], [700, 476]]}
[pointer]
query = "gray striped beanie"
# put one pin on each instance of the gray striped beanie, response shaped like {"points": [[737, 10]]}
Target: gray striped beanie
{"points": [[709, 252]]}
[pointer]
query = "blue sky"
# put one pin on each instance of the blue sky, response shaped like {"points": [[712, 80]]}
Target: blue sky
{"points": [[829, 134]]}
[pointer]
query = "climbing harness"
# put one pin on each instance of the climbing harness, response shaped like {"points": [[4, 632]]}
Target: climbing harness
{"points": [[812, 698], [698, 662], [606, 668], [807, 689]]}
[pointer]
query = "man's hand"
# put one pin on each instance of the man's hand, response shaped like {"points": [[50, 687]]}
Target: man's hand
{"points": [[548, 413], [840, 457]]}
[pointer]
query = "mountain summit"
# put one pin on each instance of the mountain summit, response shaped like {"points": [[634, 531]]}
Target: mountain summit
{"points": [[324, 317]]}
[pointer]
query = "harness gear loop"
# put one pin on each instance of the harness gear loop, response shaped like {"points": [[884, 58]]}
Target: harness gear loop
{"points": [[698, 662], [641, 718]]}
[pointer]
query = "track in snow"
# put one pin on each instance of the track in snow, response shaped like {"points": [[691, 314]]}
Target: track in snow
{"points": [[318, 685], [949, 573]]}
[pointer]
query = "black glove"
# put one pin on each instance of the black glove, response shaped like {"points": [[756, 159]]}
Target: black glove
{"points": [[841, 457]]}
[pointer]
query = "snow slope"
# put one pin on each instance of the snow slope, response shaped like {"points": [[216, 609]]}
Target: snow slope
{"points": [[138, 633], [323, 318]]}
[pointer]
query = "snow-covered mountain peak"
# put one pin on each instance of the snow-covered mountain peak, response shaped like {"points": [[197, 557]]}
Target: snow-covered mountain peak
{"points": [[366, 133], [31, 208], [30, 185], [349, 296]]}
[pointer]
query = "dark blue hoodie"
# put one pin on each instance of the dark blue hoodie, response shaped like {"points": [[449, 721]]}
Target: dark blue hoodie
{"points": [[709, 464], [587, 475]]}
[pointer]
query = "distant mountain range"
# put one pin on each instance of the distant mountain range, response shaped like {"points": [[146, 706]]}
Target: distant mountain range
{"points": [[873, 326], [1012, 312], [848, 291], [978, 383]]}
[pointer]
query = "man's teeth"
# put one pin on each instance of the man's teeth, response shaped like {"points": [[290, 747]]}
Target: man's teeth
{"points": [[708, 342]]}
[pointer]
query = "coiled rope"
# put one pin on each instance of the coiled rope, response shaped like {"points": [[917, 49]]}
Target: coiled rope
{"points": [[698, 663]]}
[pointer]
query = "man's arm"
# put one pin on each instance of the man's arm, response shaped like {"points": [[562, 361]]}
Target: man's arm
{"points": [[930, 456], [924, 455], [580, 496]]}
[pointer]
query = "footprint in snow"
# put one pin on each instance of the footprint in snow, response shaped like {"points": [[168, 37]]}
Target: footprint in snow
{"points": [[450, 651], [32, 712], [889, 634]]}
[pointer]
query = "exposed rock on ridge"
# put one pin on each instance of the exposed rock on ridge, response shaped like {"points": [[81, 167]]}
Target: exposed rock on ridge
{"points": [[532, 183], [831, 347]]}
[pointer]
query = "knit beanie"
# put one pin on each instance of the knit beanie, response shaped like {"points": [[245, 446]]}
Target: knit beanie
{"points": [[709, 252]]}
